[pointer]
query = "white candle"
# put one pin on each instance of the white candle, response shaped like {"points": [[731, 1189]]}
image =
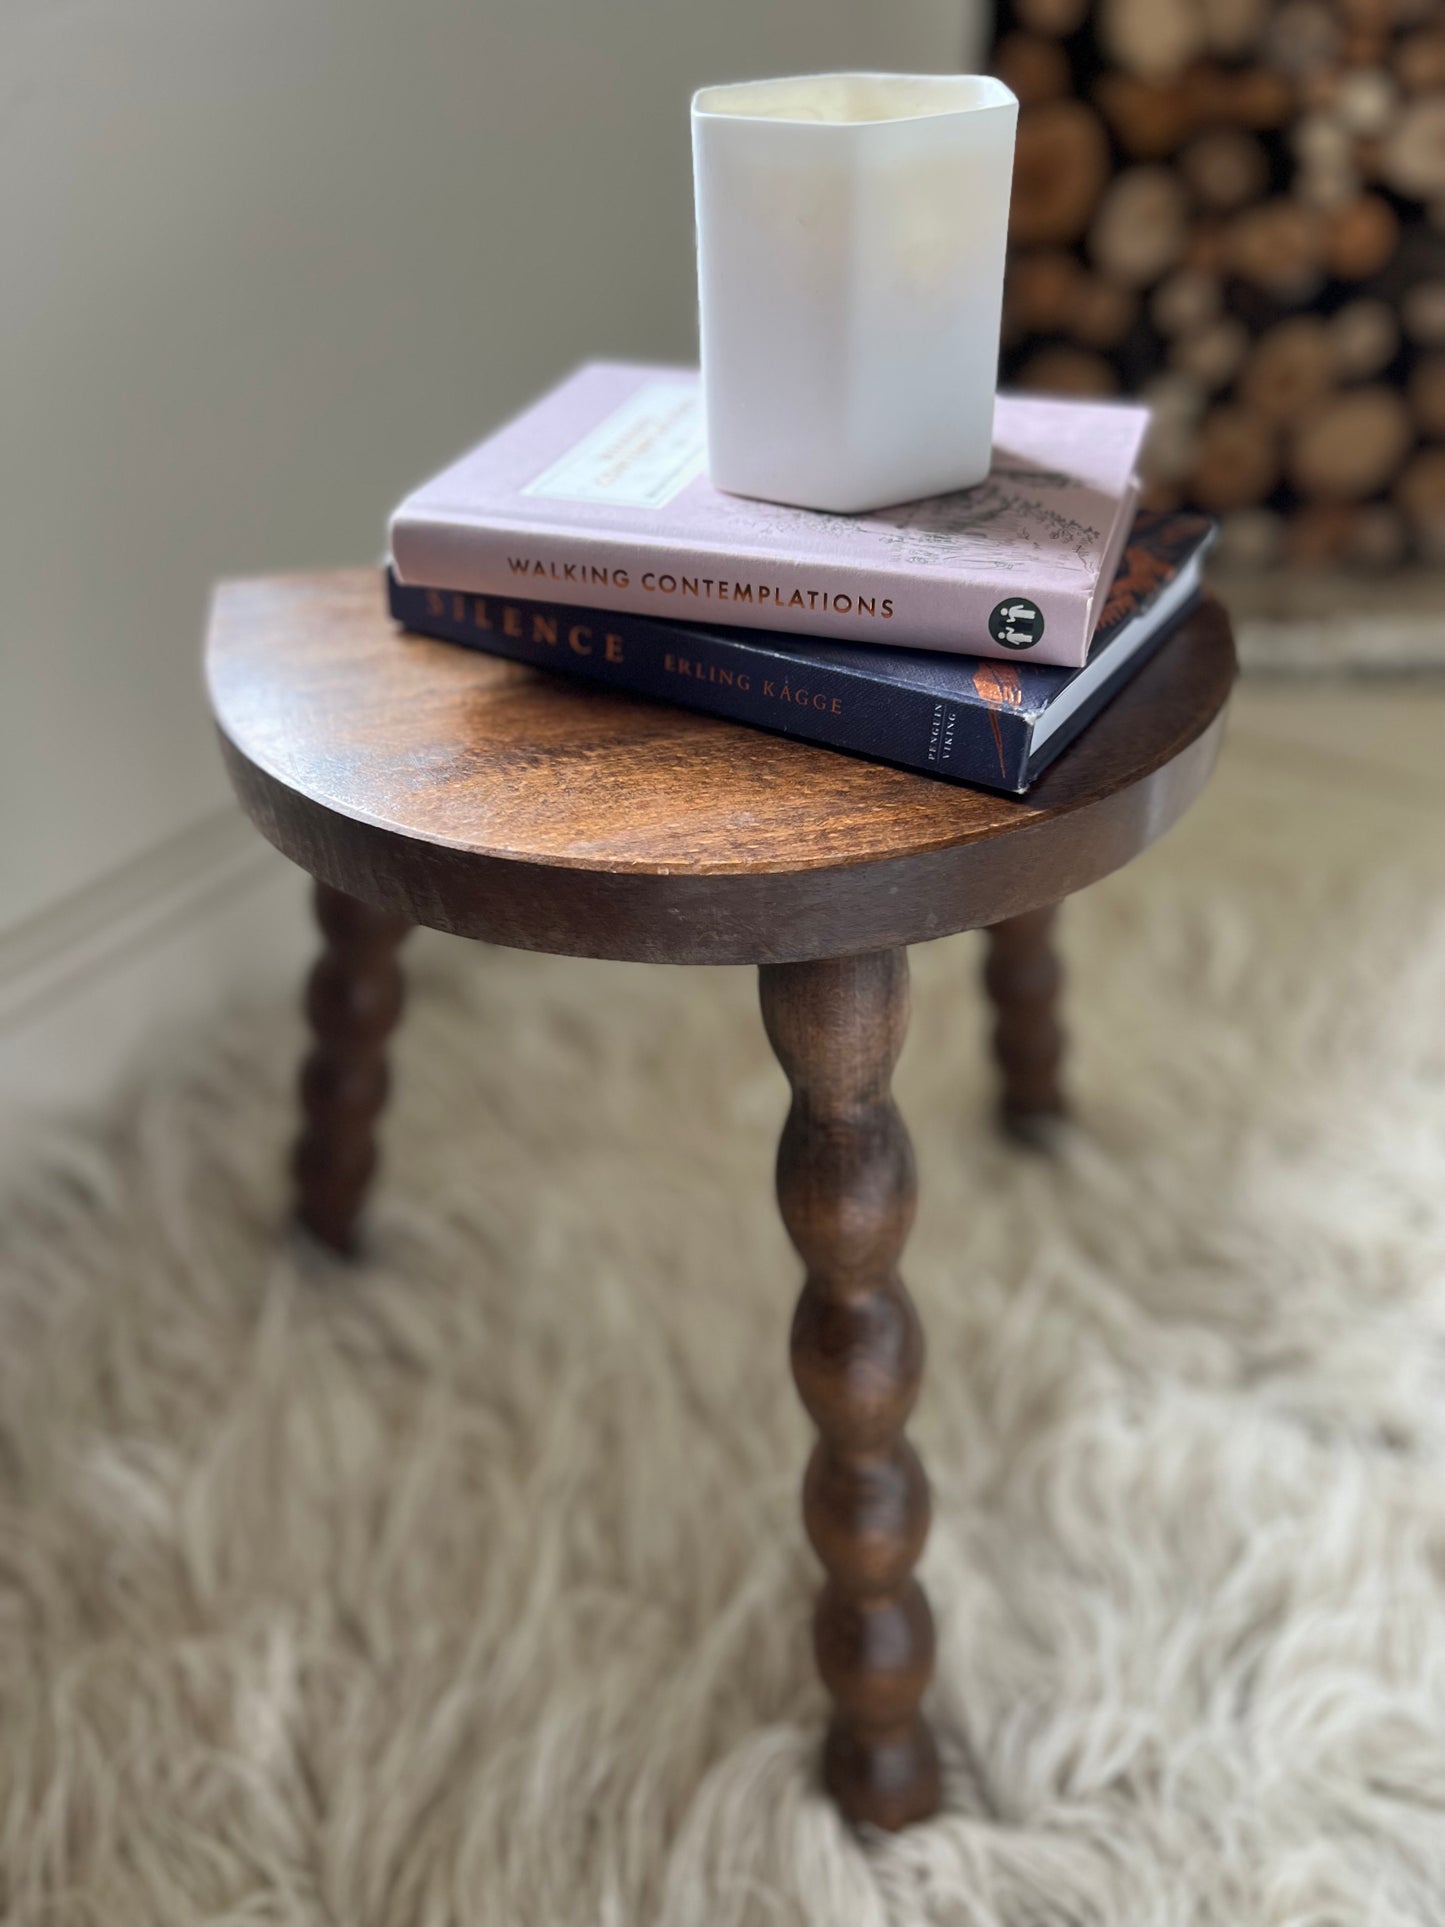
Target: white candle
{"points": [[851, 236]]}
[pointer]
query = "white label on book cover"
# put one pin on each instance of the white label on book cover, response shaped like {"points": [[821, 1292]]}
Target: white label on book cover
{"points": [[643, 454]]}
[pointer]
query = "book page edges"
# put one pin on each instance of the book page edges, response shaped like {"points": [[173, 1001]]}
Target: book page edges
{"points": [[1113, 554]]}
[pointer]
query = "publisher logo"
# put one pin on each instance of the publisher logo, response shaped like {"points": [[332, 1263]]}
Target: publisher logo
{"points": [[1016, 623]]}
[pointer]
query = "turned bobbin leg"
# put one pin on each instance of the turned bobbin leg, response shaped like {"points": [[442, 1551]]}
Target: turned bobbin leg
{"points": [[846, 1190], [353, 999], [1023, 977]]}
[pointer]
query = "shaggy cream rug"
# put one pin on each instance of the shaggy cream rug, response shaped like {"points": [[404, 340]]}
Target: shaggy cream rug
{"points": [[468, 1587]]}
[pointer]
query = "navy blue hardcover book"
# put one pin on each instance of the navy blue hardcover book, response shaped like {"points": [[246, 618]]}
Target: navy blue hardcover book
{"points": [[974, 719]]}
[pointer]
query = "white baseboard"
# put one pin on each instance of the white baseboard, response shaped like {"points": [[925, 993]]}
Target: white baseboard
{"points": [[160, 944]]}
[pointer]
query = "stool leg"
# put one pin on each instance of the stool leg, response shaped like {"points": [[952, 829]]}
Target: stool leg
{"points": [[1023, 977], [846, 1191], [353, 1000]]}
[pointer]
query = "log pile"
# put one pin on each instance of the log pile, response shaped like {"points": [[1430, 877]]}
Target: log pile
{"points": [[1236, 208]]}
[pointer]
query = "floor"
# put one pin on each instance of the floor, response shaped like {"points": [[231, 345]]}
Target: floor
{"points": [[469, 1584]]}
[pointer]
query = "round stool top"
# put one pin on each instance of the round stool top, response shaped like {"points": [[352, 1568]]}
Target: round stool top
{"points": [[502, 802]]}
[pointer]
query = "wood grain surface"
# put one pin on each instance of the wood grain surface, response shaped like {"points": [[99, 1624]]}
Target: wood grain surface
{"points": [[846, 1190], [353, 1003], [457, 790], [1023, 978]]}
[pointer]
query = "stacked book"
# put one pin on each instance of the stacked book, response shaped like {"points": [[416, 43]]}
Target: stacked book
{"points": [[971, 636]]}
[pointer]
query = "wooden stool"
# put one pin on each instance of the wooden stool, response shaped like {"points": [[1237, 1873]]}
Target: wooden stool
{"points": [[420, 783]]}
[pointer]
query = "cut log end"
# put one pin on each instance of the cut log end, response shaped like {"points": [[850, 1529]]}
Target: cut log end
{"points": [[1037, 70], [1238, 464], [1365, 337], [1352, 447], [1061, 161], [1278, 246], [1056, 17], [1291, 367], [1142, 228], [1360, 237], [1063, 370], [1226, 168]]}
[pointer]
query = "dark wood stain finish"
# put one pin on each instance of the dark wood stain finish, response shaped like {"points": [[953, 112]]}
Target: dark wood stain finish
{"points": [[353, 1002], [1023, 977], [420, 783], [846, 1191], [493, 800]]}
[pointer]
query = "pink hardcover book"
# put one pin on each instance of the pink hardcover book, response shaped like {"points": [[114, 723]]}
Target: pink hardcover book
{"points": [[597, 495]]}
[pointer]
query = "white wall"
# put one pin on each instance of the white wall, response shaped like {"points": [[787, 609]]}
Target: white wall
{"points": [[265, 263]]}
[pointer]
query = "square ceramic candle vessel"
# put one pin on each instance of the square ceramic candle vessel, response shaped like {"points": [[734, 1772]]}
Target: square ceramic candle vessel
{"points": [[851, 236]]}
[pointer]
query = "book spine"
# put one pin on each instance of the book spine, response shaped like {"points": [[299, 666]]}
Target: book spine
{"points": [[910, 608], [734, 677]]}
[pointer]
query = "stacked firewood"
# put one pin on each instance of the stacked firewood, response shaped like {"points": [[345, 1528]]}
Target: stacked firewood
{"points": [[1236, 209]]}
